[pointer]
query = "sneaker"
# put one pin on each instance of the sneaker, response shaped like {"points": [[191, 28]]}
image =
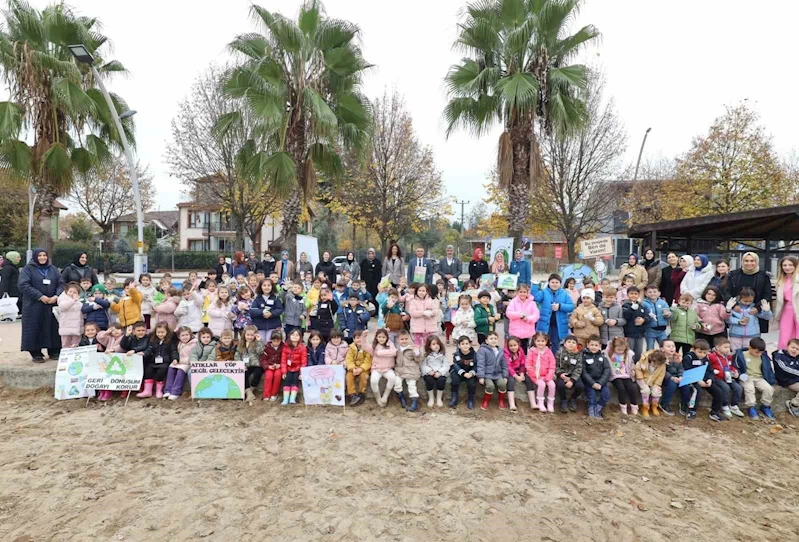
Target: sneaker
{"points": [[564, 406], [766, 410], [683, 410], [727, 412], [753, 413], [174, 397], [666, 409], [573, 405], [167, 395], [794, 410], [691, 415], [736, 411], [716, 417]]}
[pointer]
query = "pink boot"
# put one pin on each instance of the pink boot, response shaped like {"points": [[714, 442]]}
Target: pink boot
{"points": [[550, 404], [541, 405], [148, 390], [159, 390], [623, 409], [634, 410], [105, 395]]}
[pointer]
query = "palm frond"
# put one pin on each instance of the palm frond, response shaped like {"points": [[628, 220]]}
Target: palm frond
{"points": [[567, 48], [519, 91], [225, 124], [333, 33], [56, 166], [252, 45], [476, 115], [82, 160], [309, 17], [567, 113], [73, 97], [15, 158], [98, 149], [512, 12], [568, 76], [10, 120], [279, 171]]}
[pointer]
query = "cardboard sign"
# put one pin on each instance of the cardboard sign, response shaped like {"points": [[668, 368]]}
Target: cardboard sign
{"points": [[72, 372], [487, 281], [419, 274], [594, 248], [506, 281], [115, 371], [692, 376], [217, 379], [323, 385], [452, 299]]}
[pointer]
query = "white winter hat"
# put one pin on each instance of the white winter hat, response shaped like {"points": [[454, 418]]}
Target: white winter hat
{"points": [[587, 293]]}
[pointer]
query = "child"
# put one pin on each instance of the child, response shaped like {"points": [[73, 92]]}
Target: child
{"points": [[484, 316], [744, 320], [384, 355], [786, 371], [205, 348], [626, 282], [392, 314], [241, 310], [316, 348], [128, 308], [649, 374], [659, 313], [193, 280], [517, 373], [697, 357], [595, 375], [179, 368], [147, 291], [463, 319], [252, 284], [221, 318], [684, 324], [89, 337], [407, 368], [265, 310], [622, 374], [164, 284], [359, 362], [163, 352], [249, 351], [492, 370], [568, 373], [755, 373], [137, 342], [293, 308], [586, 319], [435, 368], [523, 315], [112, 338], [270, 363], [724, 375], [85, 289], [671, 382], [589, 285], [190, 308], [225, 349], [636, 319], [314, 292], [506, 296], [380, 298], [96, 308], [70, 317], [425, 313], [354, 318], [336, 348], [463, 369], [541, 370], [712, 315], [165, 310], [323, 315], [210, 277], [612, 317], [293, 358]]}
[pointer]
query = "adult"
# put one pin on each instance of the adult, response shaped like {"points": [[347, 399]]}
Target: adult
{"points": [[652, 265], [418, 265], [450, 267], [554, 305], [697, 277], [9, 277], [499, 265], [327, 267], [719, 280], [371, 272], [79, 269], [252, 262], [223, 267], [521, 267], [305, 267], [393, 265], [667, 287], [787, 309], [478, 266], [352, 266], [285, 268], [752, 276], [40, 284], [632, 267], [268, 263], [239, 265]]}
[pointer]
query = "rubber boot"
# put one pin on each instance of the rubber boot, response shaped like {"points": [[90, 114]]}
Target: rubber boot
{"points": [[532, 399], [402, 400], [598, 411], [293, 397], [159, 390], [502, 403], [453, 399], [623, 409], [122, 395], [550, 404], [470, 399], [147, 391], [104, 395], [655, 410], [512, 401], [634, 410], [249, 395], [591, 411], [431, 398], [286, 393], [541, 406], [486, 401], [645, 411], [414, 404], [439, 398]]}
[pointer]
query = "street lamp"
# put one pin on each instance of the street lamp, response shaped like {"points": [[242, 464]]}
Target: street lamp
{"points": [[32, 195], [640, 153], [82, 55]]}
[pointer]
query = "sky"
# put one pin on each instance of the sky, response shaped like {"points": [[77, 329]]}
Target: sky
{"points": [[671, 66]]}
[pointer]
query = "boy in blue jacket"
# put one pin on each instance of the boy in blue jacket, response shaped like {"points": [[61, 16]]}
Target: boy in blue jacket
{"points": [[659, 315], [786, 370], [755, 373], [354, 318], [745, 318], [554, 305]]}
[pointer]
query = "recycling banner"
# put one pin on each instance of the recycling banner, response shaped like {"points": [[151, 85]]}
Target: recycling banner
{"points": [[71, 373], [115, 371]]}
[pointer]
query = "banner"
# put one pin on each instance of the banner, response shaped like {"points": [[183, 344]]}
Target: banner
{"points": [[308, 245], [217, 379], [593, 248], [323, 385], [114, 371], [71, 373], [506, 281], [487, 281], [504, 245]]}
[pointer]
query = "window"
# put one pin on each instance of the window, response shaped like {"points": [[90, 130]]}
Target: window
{"points": [[197, 244], [123, 229], [224, 245], [198, 219]]}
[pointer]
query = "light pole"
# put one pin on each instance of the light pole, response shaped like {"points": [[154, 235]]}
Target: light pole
{"points": [[32, 195], [640, 153], [82, 55]]}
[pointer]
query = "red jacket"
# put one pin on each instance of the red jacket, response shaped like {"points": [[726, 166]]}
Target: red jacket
{"points": [[293, 358], [271, 355], [719, 363]]}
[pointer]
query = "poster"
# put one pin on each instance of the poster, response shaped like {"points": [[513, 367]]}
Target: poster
{"points": [[507, 281], [452, 299], [487, 281], [592, 248], [217, 379], [503, 245], [71, 373], [114, 371], [308, 245], [419, 274], [323, 385], [692, 376]]}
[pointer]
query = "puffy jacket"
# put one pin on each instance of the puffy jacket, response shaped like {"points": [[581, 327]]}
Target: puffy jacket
{"points": [[624, 368], [651, 375], [357, 357], [713, 317], [607, 332], [655, 311], [521, 268], [270, 357], [435, 362], [220, 318], [316, 356], [541, 364], [463, 363], [190, 311], [353, 321], [70, 316], [111, 343], [184, 353], [225, 353], [97, 312], [592, 324], [491, 365], [325, 318], [293, 309], [515, 362], [523, 329], [140, 346], [165, 312], [260, 306], [481, 316], [243, 318], [203, 352], [638, 272], [631, 312], [129, 308], [752, 327], [569, 364], [419, 322], [695, 283], [765, 365], [719, 363], [383, 357], [407, 365], [293, 358], [464, 324], [596, 369], [250, 353], [786, 368], [545, 298], [683, 325], [147, 293], [336, 355]]}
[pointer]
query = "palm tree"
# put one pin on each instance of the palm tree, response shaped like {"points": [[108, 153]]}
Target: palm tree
{"points": [[53, 102], [301, 82], [518, 72]]}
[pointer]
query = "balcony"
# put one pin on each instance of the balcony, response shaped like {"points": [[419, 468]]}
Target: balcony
{"points": [[215, 227]]}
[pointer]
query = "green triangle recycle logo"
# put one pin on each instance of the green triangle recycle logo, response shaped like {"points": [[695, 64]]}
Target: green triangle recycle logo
{"points": [[116, 367]]}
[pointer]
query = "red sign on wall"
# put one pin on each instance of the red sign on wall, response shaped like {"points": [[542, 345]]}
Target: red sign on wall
{"points": [[558, 252]]}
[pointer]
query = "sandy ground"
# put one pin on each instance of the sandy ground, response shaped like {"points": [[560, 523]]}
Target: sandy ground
{"points": [[160, 470]]}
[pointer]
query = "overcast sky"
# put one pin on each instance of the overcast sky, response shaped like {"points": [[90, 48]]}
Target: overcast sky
{"points": [[669, 65]]}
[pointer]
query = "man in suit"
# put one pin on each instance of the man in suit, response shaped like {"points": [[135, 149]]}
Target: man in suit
{"points": [[450, 267], [420, 261]]}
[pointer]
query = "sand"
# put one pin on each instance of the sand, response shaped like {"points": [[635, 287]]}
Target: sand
{"points": [[158, 470]]}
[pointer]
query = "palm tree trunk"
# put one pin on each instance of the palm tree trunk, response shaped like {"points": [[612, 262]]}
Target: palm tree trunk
{"points": [[292, 209], [46, 204], [519, 189]]}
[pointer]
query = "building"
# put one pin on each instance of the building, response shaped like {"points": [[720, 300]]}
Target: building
{"points": [[165, 224]]}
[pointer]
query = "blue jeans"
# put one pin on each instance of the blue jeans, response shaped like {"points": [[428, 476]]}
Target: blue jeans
{"points": [[591, 395], [669, 387], [653, 335], [732, 392]]}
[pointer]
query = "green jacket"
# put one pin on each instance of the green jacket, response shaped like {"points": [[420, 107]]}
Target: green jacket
{"points": [[481, 316], [682, 325]]}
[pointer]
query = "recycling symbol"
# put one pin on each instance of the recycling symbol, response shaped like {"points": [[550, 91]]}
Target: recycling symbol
{"points": [[116, 367]]}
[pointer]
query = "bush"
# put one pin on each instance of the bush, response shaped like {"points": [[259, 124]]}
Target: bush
{"points": [[64, 251], [201, 261]]}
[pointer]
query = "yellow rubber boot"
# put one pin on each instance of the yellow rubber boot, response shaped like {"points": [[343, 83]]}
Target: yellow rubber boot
{"points": [[645, 411]]}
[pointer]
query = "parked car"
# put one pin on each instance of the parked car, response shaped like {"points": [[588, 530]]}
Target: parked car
{"points": [[339, 261]]}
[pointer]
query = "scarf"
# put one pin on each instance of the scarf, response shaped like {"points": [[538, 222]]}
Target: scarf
{"points": [[648, 263], [757, 263]]}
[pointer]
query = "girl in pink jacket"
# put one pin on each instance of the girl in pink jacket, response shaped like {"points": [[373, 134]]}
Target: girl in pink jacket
{"points": [[165, 310], [425, 314], [712, 315], [523, 314], [541, 370], [517, 372], [111, 338], [384, 356], [70, 316]]}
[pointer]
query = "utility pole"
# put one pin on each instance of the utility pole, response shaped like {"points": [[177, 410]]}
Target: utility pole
{"points": [[462, 204]]}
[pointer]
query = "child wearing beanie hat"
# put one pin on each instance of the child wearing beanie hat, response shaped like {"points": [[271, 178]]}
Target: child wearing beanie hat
{"points": [[96, 307], [586, 318]]}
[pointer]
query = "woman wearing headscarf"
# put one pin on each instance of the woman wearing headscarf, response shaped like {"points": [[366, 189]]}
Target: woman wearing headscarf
{"points": [[478, 266], [305, 267], [652, 266], [9, 278], [499, 265], [521, 267], [352, 266], [697, 277], [79, 269], [285, 268], [632, 267], [752, 276], [40, 284]]}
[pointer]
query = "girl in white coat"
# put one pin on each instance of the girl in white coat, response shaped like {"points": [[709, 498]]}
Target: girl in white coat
{"points": [[697, 276], [463, 320]]}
